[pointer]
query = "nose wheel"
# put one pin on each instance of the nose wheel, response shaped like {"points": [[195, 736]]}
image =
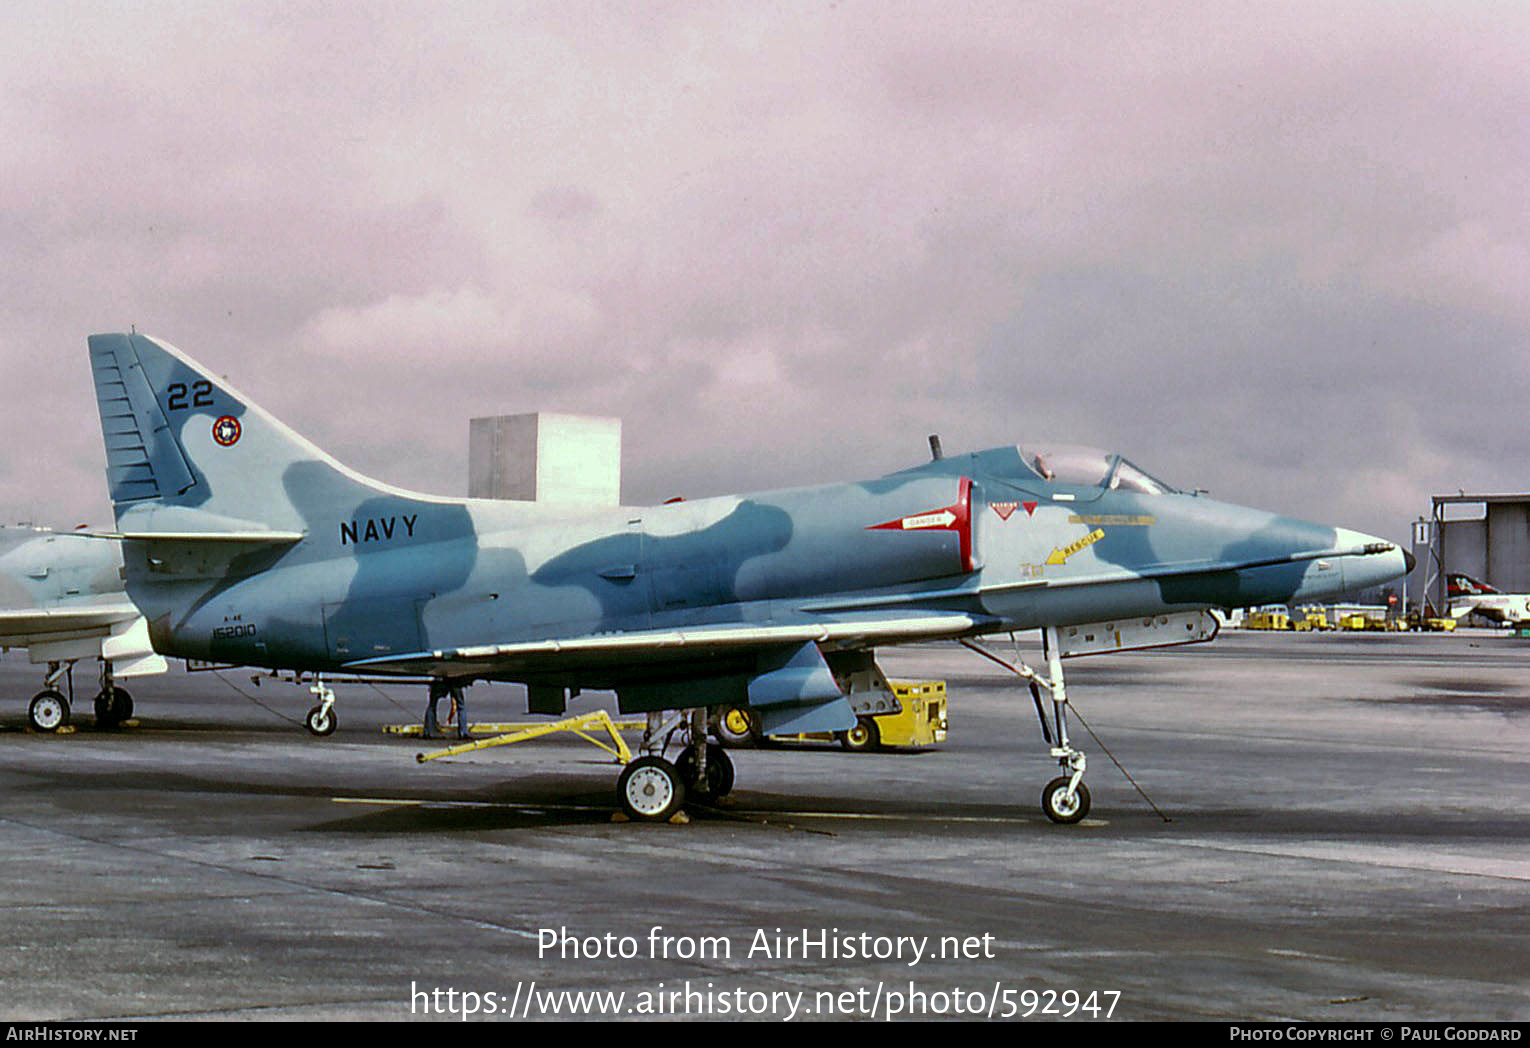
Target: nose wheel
{"points": [[321, 720], [1065, 801]]}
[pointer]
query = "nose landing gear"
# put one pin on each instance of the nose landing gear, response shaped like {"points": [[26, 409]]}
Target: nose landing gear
{"points": [[1065, 799], [321, 720]]}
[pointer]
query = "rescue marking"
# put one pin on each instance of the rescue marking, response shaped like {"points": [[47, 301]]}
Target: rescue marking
{"points": [[1061, 554]]}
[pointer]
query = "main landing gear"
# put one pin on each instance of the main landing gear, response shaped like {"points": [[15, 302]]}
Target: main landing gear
{"points": [[50, 709], [114, 706], [1065, 799], [652, 789]]}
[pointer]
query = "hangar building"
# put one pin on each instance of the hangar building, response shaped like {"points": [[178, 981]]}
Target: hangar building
{"points": [[1484, 536]]}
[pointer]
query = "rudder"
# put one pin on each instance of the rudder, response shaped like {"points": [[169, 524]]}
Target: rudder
{"points": [[143, 458]]}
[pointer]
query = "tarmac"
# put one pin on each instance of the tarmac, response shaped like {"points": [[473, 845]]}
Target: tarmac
{"points": [[1343, 834]]}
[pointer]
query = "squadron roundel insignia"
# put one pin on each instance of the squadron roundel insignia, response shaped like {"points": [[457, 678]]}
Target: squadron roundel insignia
{"points": [[226, 431]]}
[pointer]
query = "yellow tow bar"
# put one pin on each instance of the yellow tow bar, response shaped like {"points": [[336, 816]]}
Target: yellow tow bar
{"points": [[582, 725]]}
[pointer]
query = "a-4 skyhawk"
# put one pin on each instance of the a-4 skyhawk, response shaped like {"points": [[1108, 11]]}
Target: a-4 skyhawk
{"points": [[62, 598], [244, 543]]}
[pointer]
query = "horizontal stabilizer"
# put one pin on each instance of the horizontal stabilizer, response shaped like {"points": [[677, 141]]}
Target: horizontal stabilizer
{"points": [[275, 538], [185, 524]]}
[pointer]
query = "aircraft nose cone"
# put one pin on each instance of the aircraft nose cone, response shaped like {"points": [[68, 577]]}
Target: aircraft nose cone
{"points": [[1410, 560], [1379, 561]]}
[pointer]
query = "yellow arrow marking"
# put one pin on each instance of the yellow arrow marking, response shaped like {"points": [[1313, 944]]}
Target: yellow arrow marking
{"points": [[1061, 554]]}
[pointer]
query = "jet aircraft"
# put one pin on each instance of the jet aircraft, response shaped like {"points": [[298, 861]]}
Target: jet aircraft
{"points": [[62, 598], [1465, 595], [244, 543]]}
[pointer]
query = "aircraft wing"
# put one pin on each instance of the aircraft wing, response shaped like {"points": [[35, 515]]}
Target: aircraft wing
{"points": [[594, 651]]}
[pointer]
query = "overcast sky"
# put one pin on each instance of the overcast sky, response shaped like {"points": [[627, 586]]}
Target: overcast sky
{"points": [[1279, 251]]}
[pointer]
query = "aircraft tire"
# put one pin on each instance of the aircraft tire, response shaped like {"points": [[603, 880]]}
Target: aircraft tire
{"points": [[650, 790], [321, 722], [738, 727], [863, 737], [1054, 803], [49, 711], [719, 773], [113, 708]]}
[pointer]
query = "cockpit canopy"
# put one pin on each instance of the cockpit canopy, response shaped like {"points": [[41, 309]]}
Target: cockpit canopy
{"points": [[1087, 467]]}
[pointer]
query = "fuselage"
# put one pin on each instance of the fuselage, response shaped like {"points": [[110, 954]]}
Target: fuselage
{"points": [[381, 574], [1503, 608], [41, 568]]}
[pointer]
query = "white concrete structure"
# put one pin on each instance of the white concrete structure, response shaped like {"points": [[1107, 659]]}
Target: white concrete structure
{"points": [[546, 457]]}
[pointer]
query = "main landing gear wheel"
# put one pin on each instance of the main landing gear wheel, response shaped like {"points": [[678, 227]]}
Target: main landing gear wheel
{"points": [[49, 711], [719, 772], [1062, 808], [113, 707], [320, 721], [864, 736], [650, 789]]}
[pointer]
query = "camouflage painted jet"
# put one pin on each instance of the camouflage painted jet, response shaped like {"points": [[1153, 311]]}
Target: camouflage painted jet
{"points": [[244, 543], [62, 598]]}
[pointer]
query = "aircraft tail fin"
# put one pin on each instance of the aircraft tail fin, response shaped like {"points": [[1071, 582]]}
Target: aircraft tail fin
{"points": [[181, 442], [1461, 585]]}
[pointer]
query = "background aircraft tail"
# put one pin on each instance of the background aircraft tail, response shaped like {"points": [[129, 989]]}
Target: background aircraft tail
{"points": [[1458, 585], [186, 452]]}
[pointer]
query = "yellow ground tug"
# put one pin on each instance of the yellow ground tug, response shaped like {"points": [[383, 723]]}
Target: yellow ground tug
{"points": [[912, 713], [1267, 620], [1312, 620]]}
